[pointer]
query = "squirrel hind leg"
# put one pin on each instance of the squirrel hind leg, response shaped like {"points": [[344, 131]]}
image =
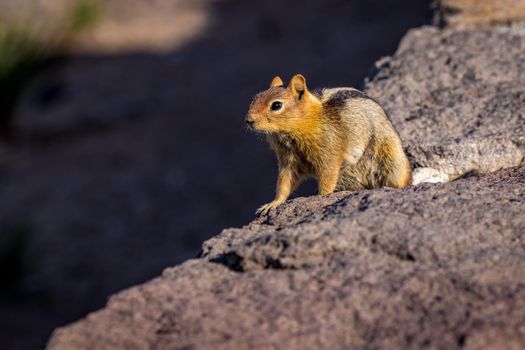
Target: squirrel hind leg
{"points": [[400, 177], [395, 167], [400, 172]]}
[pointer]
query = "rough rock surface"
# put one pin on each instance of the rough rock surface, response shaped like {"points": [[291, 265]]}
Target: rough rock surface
{"points": [[473, 13], [457, 97], [433, 266], [437, 266]]}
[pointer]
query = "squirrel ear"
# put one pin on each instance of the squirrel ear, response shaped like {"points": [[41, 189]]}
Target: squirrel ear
{"points": [[277, 81], [298, 86]]}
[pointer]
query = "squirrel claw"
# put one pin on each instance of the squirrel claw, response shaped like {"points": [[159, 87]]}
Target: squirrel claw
{"points": [[263, 210]]}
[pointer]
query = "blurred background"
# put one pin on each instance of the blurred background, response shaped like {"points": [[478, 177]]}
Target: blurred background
{"points": [[122, 137]]}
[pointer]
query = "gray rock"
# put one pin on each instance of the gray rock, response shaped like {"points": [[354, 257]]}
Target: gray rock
{"points": [[436, 266], [467, 13], [451, 160], [433, 266], [457, 98]]}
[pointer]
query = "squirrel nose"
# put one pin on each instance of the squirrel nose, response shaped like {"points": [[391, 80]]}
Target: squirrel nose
{"points": [[249, 121]]}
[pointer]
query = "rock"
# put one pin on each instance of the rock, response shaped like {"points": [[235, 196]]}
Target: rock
{"points": [[448, 161], [457, 98], [431, 175], [436, 266], [469, 13]]}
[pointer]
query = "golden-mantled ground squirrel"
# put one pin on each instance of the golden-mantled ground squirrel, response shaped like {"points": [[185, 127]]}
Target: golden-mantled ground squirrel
{"points": [[340, 136]]}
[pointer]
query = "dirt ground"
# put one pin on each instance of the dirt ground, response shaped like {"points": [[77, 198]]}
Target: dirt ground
{"points": [[124, 163]]}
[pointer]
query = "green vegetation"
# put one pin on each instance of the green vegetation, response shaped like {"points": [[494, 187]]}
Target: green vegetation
{"points": [[20, 58], [85, 15], [24, 51]]}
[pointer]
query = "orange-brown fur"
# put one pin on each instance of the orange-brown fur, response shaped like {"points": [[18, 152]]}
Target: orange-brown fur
{"points": [[340, 136]]}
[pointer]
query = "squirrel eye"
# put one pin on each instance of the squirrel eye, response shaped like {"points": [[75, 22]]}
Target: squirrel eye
{"points": [[277, 105]]}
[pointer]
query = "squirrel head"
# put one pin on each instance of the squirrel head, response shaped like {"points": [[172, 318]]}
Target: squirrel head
{"points": [[283, 109]]}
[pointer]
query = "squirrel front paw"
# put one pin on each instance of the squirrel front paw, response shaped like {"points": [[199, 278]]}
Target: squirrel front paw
{"points": [[263, 210]]}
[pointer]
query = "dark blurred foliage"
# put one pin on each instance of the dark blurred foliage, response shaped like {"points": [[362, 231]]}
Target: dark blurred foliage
{"points": [[19, 60], [24, 51], [14, 255]]}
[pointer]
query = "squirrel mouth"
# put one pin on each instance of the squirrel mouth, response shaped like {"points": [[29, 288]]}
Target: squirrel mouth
{"points": [[250, 123], [256, 130]]}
